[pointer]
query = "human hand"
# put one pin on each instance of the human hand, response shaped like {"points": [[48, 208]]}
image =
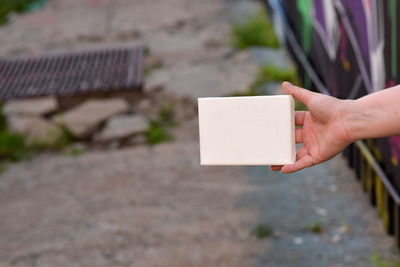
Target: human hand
{"points": [[323, 131]]}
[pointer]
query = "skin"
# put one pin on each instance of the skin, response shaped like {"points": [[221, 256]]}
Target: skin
{"points": [[331, 124]]}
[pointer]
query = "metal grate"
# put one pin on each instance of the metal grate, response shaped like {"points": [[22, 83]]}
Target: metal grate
{"points": [[80, 73]]}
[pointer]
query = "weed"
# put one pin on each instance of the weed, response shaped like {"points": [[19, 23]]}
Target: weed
{"points": [[3, 168], [3, 119], [376, 261], [17, 6], [146, 51], [155, 66], [315, 227], [166, 115], [269, 73], [12, 146], [262, 231], [256, 30], [157, 133], [75, 151], [56, 140]]}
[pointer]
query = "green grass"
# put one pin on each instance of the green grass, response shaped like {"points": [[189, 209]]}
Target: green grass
{"points": [[12, 146], [256, 30], [55, 141], [159, 128], [270, 73], [166, 115], [262, 231], [17, 6], [376, 261], [266, 74], [157, 134], [315, 227], [75, 151], [149, 69]]}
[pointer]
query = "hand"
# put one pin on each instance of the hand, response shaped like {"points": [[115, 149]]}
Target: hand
{"points": [[323, 130]]}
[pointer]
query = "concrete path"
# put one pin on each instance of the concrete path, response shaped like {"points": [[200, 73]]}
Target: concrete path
{"points": [[155, 206]]}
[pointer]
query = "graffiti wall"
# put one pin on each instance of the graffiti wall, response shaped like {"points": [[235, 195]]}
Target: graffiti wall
{"points": [[345, 48]]}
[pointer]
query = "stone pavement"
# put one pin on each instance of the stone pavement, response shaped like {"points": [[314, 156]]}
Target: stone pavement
{"points": [[155, 206]]}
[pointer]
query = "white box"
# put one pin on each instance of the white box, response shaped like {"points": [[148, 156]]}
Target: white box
{"points": [[257, 130]]}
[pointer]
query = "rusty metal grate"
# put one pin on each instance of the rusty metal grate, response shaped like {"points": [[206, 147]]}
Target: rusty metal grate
{"points": [[80, 73]]}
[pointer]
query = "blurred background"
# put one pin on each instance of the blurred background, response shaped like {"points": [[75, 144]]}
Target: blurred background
{"points": [[99, 151]]}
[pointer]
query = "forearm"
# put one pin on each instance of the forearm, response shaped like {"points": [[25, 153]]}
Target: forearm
{"points": [[375, 115]]}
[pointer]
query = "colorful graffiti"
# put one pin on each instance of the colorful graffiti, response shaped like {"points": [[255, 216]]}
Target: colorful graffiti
{"points": [[345, 48]]}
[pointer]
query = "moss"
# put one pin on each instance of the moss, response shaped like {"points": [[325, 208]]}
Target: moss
{"points": [[18, 6], [262, 231], [166, 115], [315, 227], [377, 261], [149, 69], [159, 127], [12, 146], [256, 30], [55, 140], [75, 151]]}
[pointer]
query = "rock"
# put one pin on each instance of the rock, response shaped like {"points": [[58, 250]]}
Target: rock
{"points": [[36, 130], [33, 107], [240, 11], [153, 62], [137, 140], [157, 81], [83, 120], [217, 77], [122, 127], [144, 106]]}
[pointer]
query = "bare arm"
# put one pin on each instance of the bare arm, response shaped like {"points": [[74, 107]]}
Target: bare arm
{"points": [[332, 124], [375, 115]]}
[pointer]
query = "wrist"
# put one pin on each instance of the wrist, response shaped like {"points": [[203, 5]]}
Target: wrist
{"points": [[350, 118]]}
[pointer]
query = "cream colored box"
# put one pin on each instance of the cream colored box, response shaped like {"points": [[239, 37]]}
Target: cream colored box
{"points": [[257, 130]]}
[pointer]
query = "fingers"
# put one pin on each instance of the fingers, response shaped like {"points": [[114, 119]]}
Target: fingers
{"points": [[299, 117], [299, 135], [301, 153], [304, 162], [299, 93], [275, 168]]}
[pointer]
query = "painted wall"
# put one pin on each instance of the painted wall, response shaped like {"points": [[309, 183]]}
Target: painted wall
{"points": [[345, 48]]}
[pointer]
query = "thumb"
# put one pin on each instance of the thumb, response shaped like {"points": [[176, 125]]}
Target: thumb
{"points": [[303, 95]]}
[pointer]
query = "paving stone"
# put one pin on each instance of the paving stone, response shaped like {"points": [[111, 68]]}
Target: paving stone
{"points": [[270, 56], [210, 78], [122, 126], [35, 129], [83, 120], [271, 88], [34, 107], [137, 140], [156, 206]]}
